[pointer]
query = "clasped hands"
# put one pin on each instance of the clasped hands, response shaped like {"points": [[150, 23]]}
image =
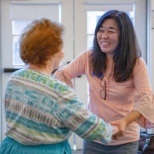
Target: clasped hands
{"points": [[119, 126]]}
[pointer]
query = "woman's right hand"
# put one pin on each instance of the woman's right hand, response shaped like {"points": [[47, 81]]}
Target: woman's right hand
{"points": [[114, 129], [120, 128]]}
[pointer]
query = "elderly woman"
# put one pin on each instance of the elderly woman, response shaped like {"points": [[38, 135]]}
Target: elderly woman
{"points": [[41, 112]]}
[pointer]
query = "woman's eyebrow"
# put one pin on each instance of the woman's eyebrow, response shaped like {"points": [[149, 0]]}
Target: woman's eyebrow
{"points": [[112, 28]]}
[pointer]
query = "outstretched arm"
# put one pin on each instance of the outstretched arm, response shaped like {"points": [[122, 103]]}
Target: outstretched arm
{"points": [[124, 122]]}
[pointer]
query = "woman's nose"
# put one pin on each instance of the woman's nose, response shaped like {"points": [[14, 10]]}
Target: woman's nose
{"points": [[104, 35]]}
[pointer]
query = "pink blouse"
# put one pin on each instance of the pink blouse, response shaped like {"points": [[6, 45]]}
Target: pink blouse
{"points": [[121, 98]]}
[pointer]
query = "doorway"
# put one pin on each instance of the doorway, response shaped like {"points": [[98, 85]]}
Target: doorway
{"points": [[76, 16]]}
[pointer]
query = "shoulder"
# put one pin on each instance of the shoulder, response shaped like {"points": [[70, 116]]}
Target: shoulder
{"points": [[80, 59], [88, 52], [140, 63], [36, 79], [85, 53]]}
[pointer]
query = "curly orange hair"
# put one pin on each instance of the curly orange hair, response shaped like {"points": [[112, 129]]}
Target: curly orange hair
{"points": [[40, 40]]}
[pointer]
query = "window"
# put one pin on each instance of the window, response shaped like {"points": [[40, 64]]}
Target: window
{"points": [[24, 12], [17, 27]]}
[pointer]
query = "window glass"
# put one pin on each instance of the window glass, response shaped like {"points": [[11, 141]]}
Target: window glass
{"points": [[17, 27]]}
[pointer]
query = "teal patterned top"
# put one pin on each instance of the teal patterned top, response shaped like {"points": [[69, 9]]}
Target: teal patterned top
{"points": [[42, 110]]}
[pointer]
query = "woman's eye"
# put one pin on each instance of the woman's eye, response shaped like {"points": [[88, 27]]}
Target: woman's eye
{"points": [[111, 31]]}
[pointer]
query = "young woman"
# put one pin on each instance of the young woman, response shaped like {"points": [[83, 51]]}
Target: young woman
{"points": [[119, 86]]}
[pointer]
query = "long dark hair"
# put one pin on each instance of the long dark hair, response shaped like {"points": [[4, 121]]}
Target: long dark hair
{"points": [[127, 52]]}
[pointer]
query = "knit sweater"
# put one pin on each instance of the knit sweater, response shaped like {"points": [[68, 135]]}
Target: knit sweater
{"points": [[42, 110]]}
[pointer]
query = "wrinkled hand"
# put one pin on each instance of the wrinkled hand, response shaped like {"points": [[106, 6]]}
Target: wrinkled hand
{"points": [[121, 124], [114, 129]]}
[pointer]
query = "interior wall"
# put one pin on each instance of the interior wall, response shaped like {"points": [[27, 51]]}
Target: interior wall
{"points": [[152, 45], [0, 80], [150, 52]]}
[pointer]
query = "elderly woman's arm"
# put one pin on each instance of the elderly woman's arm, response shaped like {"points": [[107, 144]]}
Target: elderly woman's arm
{"points": [[75, 116]]}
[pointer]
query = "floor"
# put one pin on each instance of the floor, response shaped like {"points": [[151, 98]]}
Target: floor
{"points": [[77, 152], [80, 152]]}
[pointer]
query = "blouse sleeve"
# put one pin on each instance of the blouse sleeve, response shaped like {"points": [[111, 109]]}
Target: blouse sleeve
{"points": [[75, 116], [144, 100], [62, 76], [73, 69]]}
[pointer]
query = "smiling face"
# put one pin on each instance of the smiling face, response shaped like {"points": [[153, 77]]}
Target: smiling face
{"points": [[108, 36]]}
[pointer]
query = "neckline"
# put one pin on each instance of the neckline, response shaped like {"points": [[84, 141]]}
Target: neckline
{"points": [[112, 71], [108, 76], [39, 72]]}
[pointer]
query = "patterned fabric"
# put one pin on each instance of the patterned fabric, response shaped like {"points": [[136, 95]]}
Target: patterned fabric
{"points": [[145, 105], [121, 98], [42, 110]]}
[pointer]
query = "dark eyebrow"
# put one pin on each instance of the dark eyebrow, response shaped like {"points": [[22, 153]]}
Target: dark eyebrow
{"points": [[109, 27], [112, 28]]}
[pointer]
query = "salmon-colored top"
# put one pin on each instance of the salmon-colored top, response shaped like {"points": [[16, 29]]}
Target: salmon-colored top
{"points": [[135, 94]]}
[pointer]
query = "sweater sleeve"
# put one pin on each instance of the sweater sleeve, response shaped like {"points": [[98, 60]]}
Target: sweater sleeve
{"points": [[144, 100], [75, 116]]}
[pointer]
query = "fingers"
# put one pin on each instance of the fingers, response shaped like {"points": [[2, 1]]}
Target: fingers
{"points": [[112, 123], [114, 137], [121, 124], [117, 135], [114, 132], [114, 129]]}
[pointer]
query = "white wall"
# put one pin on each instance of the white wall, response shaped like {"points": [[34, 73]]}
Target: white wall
{"points": [[151, 58], [152, 45], [152, 4]]}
